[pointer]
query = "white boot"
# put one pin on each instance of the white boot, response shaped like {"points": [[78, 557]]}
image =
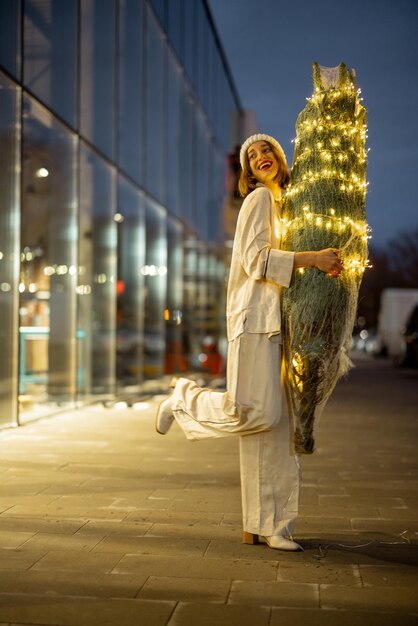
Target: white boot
{"points": [[280, 543], [164, 418]]}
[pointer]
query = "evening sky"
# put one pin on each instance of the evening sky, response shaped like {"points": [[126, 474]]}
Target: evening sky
{"points": [[270, 46]]}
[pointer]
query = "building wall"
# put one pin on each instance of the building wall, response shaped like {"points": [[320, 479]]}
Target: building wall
{"points": [[114, 133]]}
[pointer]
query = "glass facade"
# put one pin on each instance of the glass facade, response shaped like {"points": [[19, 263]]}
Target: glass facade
{"points": [[114, 133]]}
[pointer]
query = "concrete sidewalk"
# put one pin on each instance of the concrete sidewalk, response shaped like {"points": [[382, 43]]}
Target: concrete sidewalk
{"points": [[105, 523]]}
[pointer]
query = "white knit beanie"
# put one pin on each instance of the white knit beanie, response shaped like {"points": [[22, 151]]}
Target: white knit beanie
{"points": [[260, 137]]}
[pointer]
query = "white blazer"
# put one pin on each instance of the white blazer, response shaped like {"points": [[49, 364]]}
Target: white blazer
{"points": [[258, 267]]}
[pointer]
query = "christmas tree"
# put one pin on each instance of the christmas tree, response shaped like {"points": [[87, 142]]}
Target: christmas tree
{"points": [[324, 207]]}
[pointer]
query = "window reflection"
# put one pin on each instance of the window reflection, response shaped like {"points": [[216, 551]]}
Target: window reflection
{"points": [[97, 73], [131, 89], [155, 274], [9, 245], [177, 345], [175, 25], [202, 72], [97, 275], [202, 177], [159, 8], [10, 16], [50, 52], [186, 154], [191, 246], [130, 285], [174, 180], [156, 159], [48, 257], [189, 37]]}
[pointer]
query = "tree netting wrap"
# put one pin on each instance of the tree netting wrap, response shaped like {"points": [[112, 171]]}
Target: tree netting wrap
{"points": [[324, 207]]}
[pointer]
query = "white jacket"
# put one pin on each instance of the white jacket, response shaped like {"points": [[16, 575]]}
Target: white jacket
{"points": [[258, 267]]}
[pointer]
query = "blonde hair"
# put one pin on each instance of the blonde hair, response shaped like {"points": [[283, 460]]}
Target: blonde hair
{"points": [[247, 181]]}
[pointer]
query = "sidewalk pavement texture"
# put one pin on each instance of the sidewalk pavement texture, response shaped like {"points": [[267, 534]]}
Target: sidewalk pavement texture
{"points": [[103, 522]]}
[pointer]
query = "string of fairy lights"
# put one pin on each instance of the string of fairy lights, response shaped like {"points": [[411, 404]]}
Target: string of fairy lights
{"points": [[331, 152]]}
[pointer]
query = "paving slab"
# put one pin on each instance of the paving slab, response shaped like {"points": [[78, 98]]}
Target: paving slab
{"points": [[160, 546], [76, 611], [63, 583], [269, 593], [19, 559], [323, 617], [71, 561], [390, 600], [389, 575], [320, 572], [185, 589], [33, 525], [201, 614]]}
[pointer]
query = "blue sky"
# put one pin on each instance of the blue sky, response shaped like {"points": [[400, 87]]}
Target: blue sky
{"points": [[270, 46]]}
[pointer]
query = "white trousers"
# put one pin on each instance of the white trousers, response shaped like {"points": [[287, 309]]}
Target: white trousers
{"points": [[255, 398]]}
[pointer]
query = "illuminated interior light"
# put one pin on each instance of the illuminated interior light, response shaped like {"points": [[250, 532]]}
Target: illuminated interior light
{"points": [[141, 406], [120, 405], [42, 172]]}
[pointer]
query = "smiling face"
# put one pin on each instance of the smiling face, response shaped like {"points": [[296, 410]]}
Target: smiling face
{"points": [[263, 162]]}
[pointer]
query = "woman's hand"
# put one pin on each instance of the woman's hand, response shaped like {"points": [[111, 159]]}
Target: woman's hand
{"points": [[326, 260]]}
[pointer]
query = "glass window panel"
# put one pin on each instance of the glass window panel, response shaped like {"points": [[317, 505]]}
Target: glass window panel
{"points": [[195, 165], [212, 79], [155, 272], [97, 101], [186, 154], [189, 33], [217, 192], [174, 180], [131, 108], [201, 295], [9, 246], [202, 54], [226, 108], [177, 351], [10, 16], [175, 25], [131, 283], [202, 177], [160, 10], [155, 161], [192, 323], [48, 257], [97, 275], [50, 53], [216, 289]]}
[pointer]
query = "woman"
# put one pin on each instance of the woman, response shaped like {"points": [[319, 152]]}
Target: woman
{"points": [[254, 404]]}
